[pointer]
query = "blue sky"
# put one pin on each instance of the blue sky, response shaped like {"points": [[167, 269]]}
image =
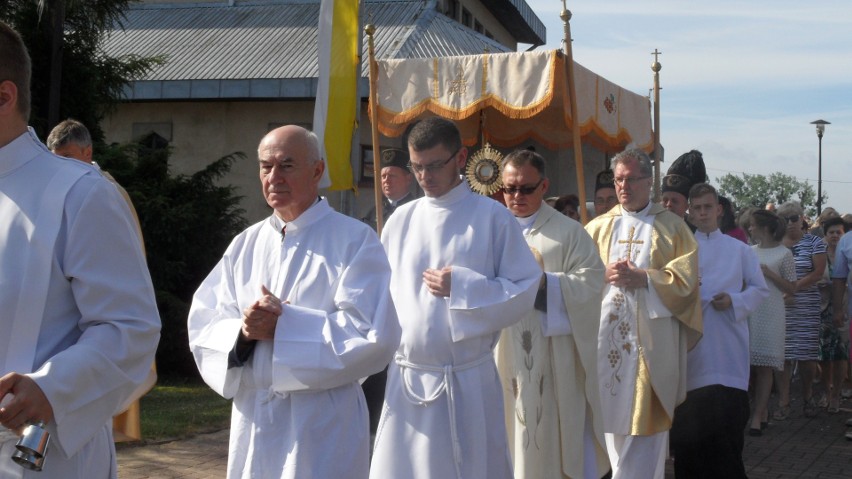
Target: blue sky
{"points": [[741, 80]]}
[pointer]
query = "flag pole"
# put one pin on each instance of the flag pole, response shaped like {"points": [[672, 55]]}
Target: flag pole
{"points": [[656, 67], [575, 116], [370, 30]]}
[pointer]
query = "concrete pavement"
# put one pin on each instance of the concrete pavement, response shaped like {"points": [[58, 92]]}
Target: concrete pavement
{"points": [[799, 447]]}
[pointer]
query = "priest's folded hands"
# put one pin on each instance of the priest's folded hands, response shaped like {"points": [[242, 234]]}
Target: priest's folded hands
{"points": [[625, 274], [261, 318]]}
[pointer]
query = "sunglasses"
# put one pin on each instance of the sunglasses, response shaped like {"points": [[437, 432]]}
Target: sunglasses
{"points": [[524, 190], [792, 218]]}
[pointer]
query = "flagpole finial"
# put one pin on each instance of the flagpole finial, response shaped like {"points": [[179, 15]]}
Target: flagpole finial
{"points": [[369, 29], [656, 66]]}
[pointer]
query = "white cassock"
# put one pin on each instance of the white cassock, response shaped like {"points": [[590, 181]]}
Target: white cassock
{"points": [[548, 361], [443, 413], [726, 265], [78, 308], [298, 408]]}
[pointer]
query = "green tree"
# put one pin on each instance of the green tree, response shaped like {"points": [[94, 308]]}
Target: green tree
{"points": [[757, 190], [187, 222], [70, 69]]}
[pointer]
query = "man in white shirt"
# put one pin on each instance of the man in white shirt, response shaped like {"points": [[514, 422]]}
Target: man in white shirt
{"points": [[461, 273], [79, 324], [707, 435], [292, 316]]}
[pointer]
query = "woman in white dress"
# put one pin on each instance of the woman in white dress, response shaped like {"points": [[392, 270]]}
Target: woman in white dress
{"points": [[766, 324]]}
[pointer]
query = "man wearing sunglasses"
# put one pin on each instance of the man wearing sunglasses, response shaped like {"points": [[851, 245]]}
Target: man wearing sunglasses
{"points": [[650, 316], [461, 272], [548, 361]]}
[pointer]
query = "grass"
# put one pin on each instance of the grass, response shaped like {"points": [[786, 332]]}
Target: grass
{"points": [[178, 408]]}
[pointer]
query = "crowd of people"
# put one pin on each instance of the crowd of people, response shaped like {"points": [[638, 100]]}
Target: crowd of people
{"points": [[501, 339]]}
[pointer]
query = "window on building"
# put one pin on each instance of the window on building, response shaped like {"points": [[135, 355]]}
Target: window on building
{"points": [[489, 35], [467, 18], [163, 130], [452, 9], [477, 27]]}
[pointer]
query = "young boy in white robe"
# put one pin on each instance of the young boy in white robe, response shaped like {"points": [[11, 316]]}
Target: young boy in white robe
{"points": [[707, 435]]}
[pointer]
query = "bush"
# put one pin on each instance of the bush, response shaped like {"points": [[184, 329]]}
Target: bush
{"points": [[187, 222]]}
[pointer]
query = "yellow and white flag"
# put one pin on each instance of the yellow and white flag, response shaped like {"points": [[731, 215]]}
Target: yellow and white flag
{"points": [[337, 89]]}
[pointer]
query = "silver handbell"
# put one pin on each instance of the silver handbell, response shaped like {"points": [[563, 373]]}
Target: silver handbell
{"points": [[32, 447]]}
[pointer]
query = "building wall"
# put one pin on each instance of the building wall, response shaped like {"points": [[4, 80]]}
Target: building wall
{"points": [[479, 13], [203, 132]]}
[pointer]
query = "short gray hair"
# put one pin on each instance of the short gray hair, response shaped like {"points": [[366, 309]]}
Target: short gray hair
{"points": [[790, 207], [68, 132], [640, 156]]}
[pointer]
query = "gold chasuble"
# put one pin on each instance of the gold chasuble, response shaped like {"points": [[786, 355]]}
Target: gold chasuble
{"points": [[549, 375], [645, 333]]}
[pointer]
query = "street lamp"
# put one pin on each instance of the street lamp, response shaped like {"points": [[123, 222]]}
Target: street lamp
{"points": [[820, 128]]}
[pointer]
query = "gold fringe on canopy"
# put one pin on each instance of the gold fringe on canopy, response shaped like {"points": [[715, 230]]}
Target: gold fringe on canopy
{"points": [[510, 87]]}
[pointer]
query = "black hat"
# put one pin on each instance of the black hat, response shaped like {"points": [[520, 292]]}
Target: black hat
{"points": [[395, 157], [604, 180], [686, 171]]}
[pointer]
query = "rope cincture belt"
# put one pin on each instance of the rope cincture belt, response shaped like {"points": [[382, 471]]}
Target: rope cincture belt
{"points": [[446, 385]]}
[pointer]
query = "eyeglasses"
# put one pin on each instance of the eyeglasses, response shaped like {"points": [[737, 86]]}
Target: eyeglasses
{"points": [[792, 218], [524, 190], [629, 181], [430, 168]]}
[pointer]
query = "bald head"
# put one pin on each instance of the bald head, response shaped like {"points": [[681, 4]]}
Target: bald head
{"points": [[290, 170]]}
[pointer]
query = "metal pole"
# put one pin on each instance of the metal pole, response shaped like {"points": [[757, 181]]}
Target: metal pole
{"points": [[819, 177], [656, 67]]}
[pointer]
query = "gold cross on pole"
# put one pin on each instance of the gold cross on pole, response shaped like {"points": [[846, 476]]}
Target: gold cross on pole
{"points": [[630, 241], [656, 54]]}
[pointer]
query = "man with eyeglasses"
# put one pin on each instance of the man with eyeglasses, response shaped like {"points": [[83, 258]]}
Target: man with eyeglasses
{"points": [[295, 313], [461, 273], [650, 317], [548, 361]]}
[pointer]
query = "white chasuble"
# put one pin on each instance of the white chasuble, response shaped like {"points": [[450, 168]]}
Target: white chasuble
{"points": [[299, 411], [547, 361], [619, 351], [443, 413]]}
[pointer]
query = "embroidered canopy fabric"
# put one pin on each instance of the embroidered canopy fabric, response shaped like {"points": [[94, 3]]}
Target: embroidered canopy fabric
{"points": [[506, 87]]}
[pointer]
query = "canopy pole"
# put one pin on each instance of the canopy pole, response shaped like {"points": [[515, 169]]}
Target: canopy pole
{"points": [[575, 123], [370, 29], [656, 67]]}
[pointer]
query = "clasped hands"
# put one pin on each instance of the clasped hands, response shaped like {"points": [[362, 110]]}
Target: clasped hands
{"points": [[22, 402], [438, 281], [261, 318], [625, 274]]}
